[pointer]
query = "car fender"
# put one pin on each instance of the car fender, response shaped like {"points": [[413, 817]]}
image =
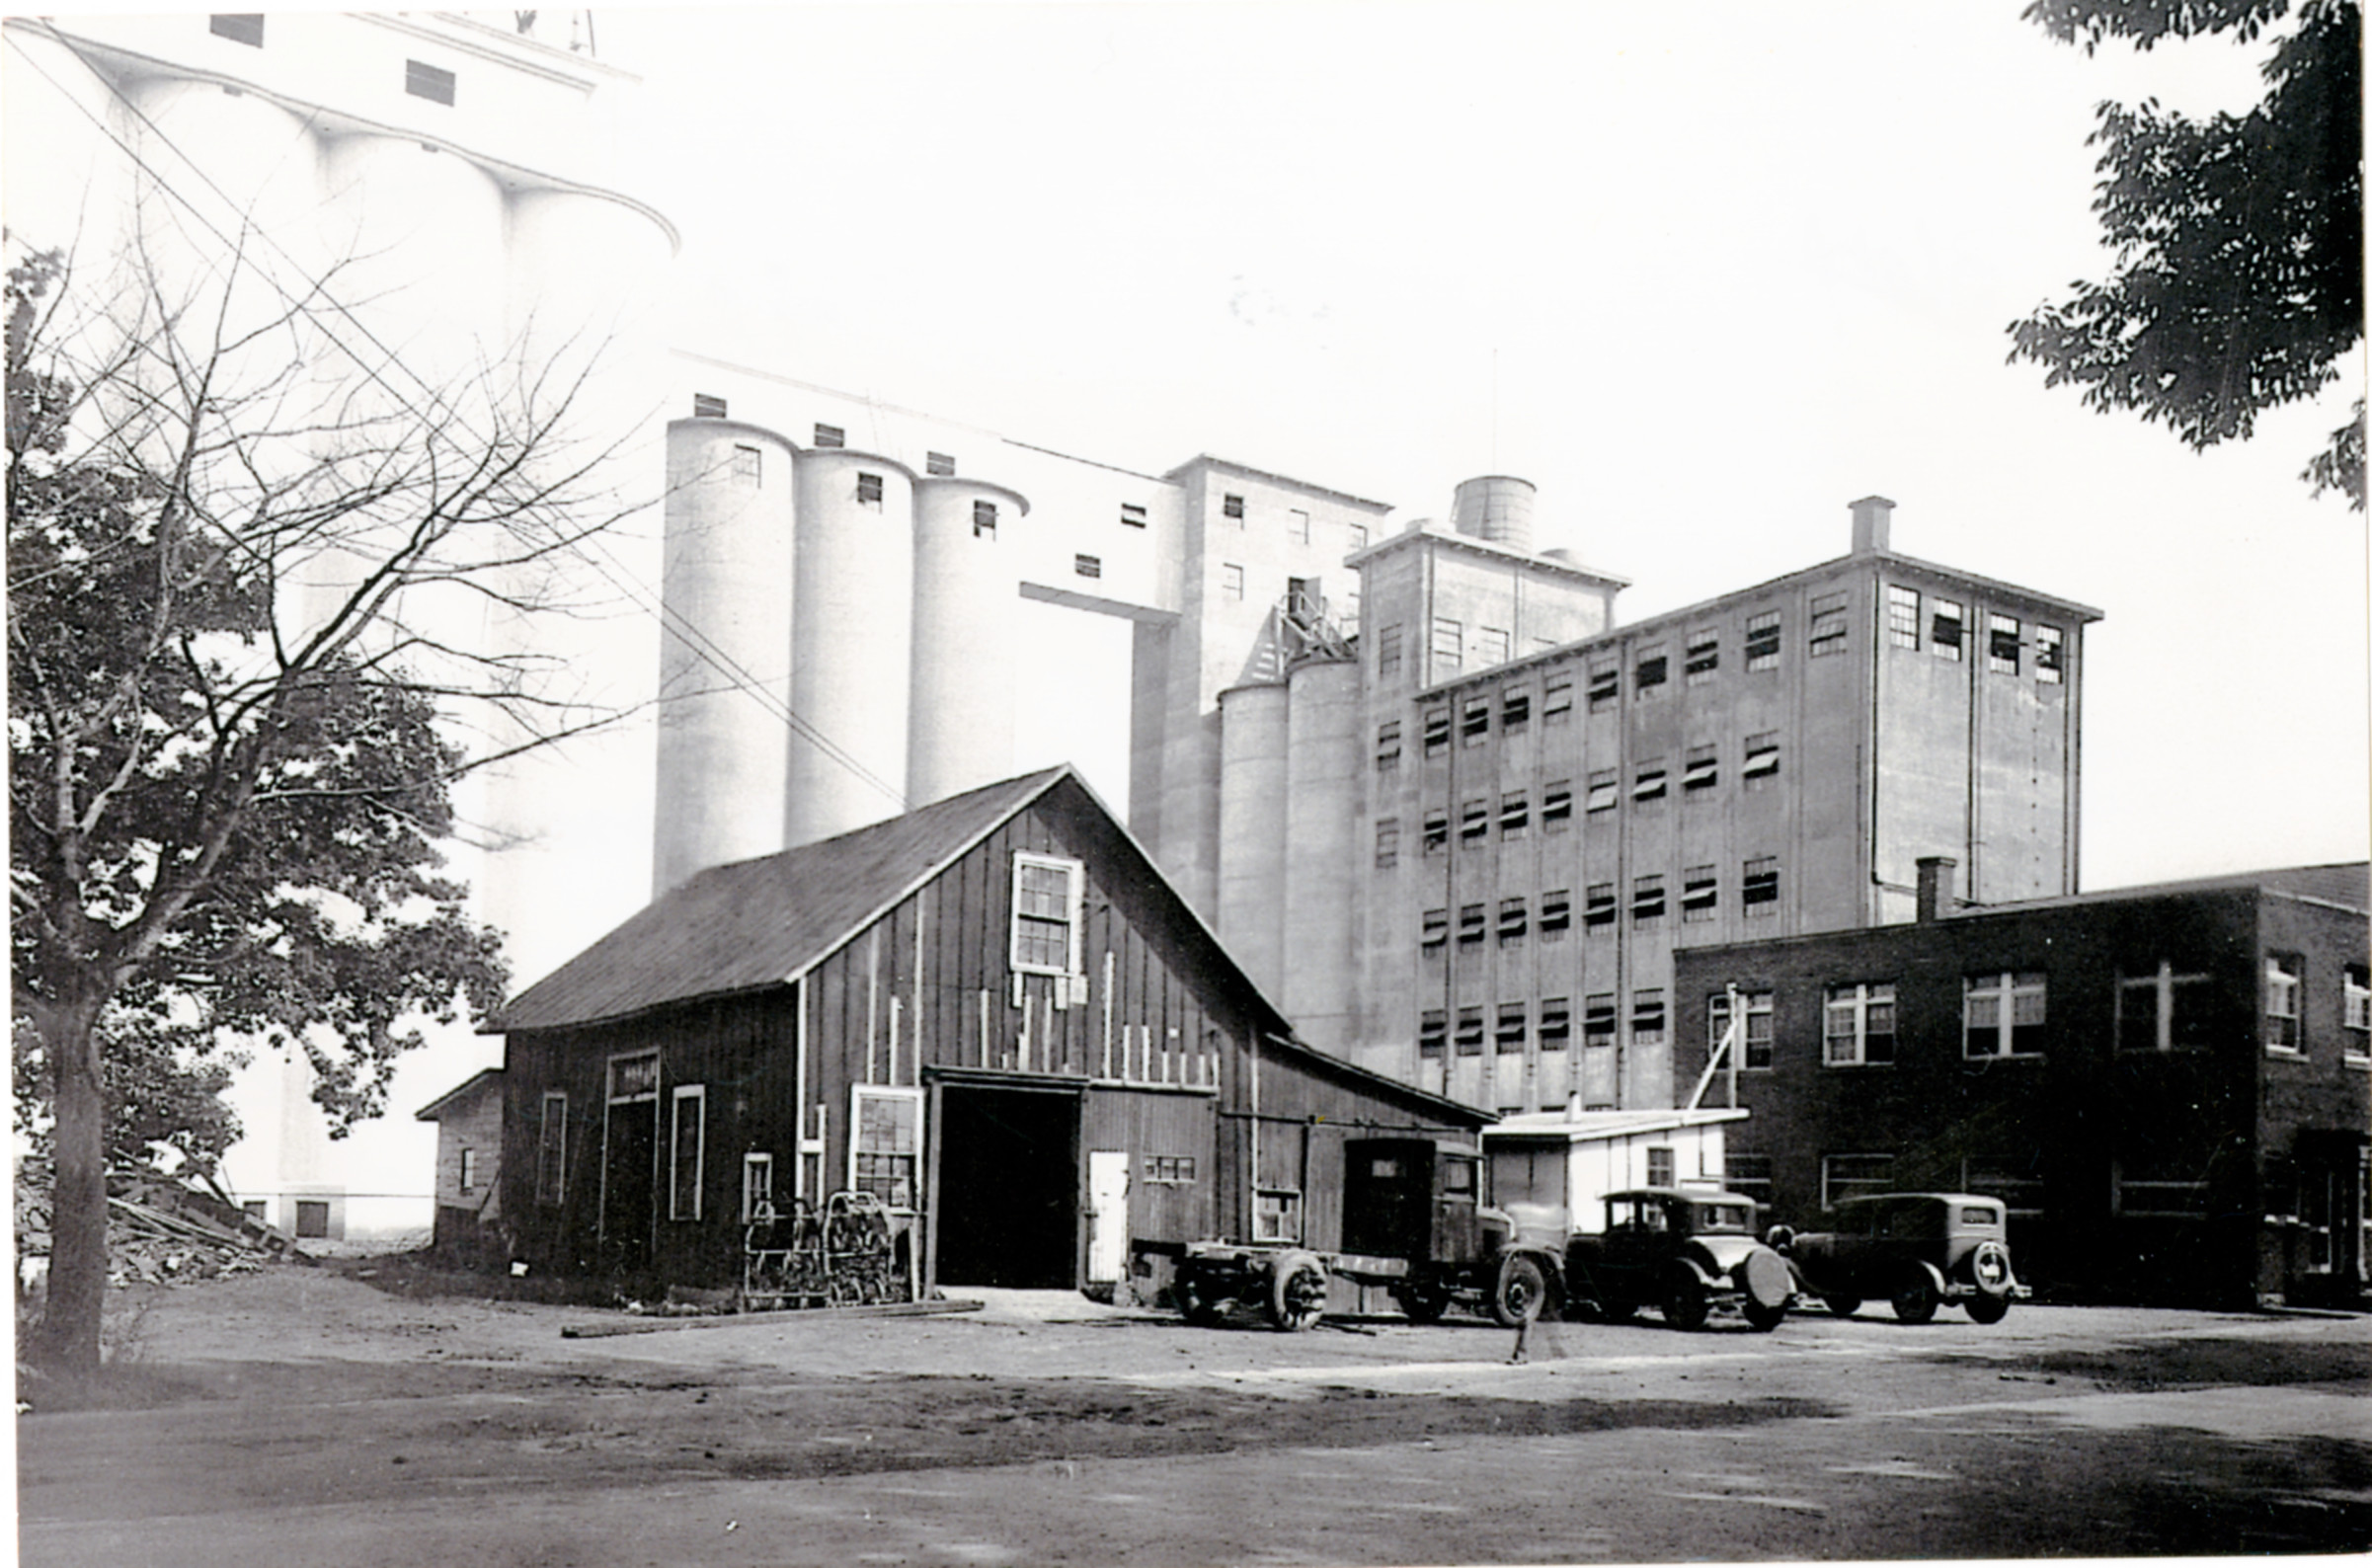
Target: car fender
{"points": [[1944, 1288], [1710, 1274]]}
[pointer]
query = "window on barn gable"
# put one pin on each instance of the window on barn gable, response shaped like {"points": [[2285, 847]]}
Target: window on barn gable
{"points": [[469, 1170], [1047, 895], [686, 1150], [885, 1157]]}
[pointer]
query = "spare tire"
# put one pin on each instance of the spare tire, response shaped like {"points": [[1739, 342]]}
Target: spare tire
{"points": [[1296, 1292], [1521, 1291]]}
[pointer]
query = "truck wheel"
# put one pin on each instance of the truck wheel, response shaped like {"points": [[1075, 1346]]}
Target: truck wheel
{"points": [[1763, 1319], [1522, 1294], [1842, 1305], [1983, 1309], [1423, 1304], [1195, 1302], [1915, 1296], [1297, 1294], [1685, 1304]]}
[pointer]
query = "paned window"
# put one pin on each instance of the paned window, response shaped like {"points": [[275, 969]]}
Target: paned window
{"points": [[1902, 616], [2161, 1010], [1699, 895], [1556, 699], [1647, 784], [1515, 711], [1437, 731], [1490, 646], [1828, 625], [1705, 656], [1469, 1039], [1556, 1023], [1388, 745], [1661, 1171], [1604, 791], [1762, 762], [1358, 535], [758, 1188], [1598, 904], [1472, 923], [2002, 633], [1598, 1019], [1435, 930], [432, 82], [2050, 656], [1754, 1050], [1132, 515], [469, 1170], [1513, 917], [938, 465], [551, 1147], [1556, 806], [749, 465], [1087, 565], [984, 520], [1230, 581], [1946, 630], [1169, 1170], [1749, 1176], [2283, 985], [707, 406], [1046, 914], [2002, 1015], [1606, 686], [1437, 832], [240, 26], [2160, 1189], [1646, 902], [1648, 675], [1858, 1028], [1388, 651], [1449, 648], [1433, 1034], [1277, 1215], [886, 1157], [1231, 507], [1388, 844], [1763, 641], [1557, 913], [1296, 524], [2356, 1018], [1474, 723], [1508, 1035], [1844, 1176], [1515, 815], [1648, 1016], [1473, 820], [1758, 888], [687, 1150], [1701, 769], [830, 436], [868, 490]]}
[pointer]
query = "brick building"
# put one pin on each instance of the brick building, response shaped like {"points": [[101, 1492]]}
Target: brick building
{"points": [[2168, 1084]]}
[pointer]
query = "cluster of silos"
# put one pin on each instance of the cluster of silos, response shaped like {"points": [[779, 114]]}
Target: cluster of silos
{"points": [[839, 648], [1287, 850]]}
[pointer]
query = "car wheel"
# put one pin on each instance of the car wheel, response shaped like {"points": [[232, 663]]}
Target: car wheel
{"points": [[1685, 1304], [1983, 1309], [1296, 1296], [1763, 1319], [1521, 1294], [1915, 1297], [1842, 1305], [1195, 1301]]}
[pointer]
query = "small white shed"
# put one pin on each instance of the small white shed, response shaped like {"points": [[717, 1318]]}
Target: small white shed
{"points": [[1569, 1161]]}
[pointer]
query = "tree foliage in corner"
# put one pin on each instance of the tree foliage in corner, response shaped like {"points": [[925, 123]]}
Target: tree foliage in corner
{"points": [[231, 698], [2239, 240]]}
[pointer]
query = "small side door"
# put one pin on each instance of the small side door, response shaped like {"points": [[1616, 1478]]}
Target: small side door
{"points": [[1107, 1215]]}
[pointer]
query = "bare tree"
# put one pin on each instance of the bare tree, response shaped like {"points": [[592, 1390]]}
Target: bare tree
{"points": [[268, 594]]}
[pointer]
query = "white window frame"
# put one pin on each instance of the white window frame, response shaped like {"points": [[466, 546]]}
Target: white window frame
{"points": [[858, 1094], [2001, 992], [2162, 986], [1855, 1001], [467, 1174], [1073, 904], [1902, 616], [2285, 981], [1758, 1009], [757, 1186], [2355, 1034], [697, 1094]]}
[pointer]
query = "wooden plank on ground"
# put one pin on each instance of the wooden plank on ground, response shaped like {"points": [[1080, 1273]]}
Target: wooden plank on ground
{"points": [[652, 1325]]}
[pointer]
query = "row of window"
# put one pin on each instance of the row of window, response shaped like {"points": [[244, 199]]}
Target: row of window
{"points": [[2006, 1014], [420, 79], [1297, 521], [1699, 901], [1471, 724], [1941, 625]]}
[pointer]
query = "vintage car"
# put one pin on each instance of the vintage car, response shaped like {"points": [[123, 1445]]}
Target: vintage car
{"points": [[1678, 1250], [1916, 1250]]}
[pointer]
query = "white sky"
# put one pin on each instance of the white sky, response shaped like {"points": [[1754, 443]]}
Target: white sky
{"points": [[1734, 265]]}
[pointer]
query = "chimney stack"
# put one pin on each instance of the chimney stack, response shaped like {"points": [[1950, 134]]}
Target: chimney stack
{"points": [[1938, 896], [1873, 525]]}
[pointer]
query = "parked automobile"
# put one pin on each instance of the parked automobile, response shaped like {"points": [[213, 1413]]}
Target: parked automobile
{"points": [[1916, 1250], [1678, 1250]]}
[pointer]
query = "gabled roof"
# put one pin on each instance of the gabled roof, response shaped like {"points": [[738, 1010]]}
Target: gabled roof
{"points": [[434, 1110], [759, 923]]}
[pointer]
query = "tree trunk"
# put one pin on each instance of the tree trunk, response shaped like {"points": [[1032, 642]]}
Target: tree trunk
{"points": [[68, 1341]]}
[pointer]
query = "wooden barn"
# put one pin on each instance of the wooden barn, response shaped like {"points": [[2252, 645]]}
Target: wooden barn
{"points": [[992, 1013]]}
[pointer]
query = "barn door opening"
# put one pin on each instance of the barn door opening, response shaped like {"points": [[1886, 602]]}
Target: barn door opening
{"points": [[630, 1161], [1008, 1195]]}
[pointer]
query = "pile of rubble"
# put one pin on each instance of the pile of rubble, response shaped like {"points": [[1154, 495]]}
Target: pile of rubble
{"points": [[157, 1230]]}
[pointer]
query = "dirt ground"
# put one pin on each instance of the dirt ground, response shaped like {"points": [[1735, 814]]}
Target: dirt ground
{"points": [[314, 1416]]}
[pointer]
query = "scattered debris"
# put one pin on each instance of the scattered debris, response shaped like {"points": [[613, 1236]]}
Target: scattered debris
{"points": [[158, 1230]]}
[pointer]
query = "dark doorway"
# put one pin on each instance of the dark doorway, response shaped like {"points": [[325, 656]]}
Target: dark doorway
{"points": [[1009, 1188], [627, 1186]]}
